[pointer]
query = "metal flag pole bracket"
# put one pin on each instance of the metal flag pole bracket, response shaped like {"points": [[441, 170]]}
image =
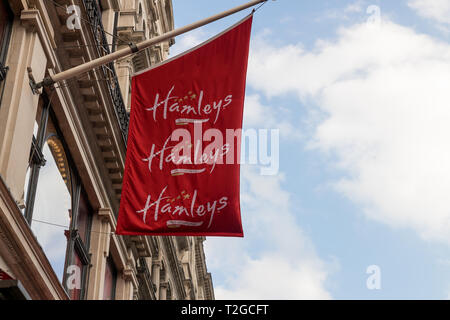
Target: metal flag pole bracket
{"points": [[133, 48]]}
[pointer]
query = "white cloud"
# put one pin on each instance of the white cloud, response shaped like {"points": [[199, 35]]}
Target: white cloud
{"points": [[383, 91], [287, 19], [272, 277], [258, 115], [188, 41], [343, 13], [438, 10], [355, 7], [275, 260]]}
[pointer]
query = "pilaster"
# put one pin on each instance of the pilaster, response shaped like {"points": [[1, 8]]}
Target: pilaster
{"points": [[102, 226], [19, 104]]}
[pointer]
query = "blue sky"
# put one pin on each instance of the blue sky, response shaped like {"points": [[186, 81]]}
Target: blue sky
{"points": [[362, 108]]}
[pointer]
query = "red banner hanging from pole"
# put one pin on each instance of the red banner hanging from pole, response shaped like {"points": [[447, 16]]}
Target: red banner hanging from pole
{"points": [[182, 168]]}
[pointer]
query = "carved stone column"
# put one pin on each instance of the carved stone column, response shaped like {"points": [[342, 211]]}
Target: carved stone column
{"points": [[125, 289], [163, 290], [127, 282], [124, 70], [156, 267], [102, 225]]}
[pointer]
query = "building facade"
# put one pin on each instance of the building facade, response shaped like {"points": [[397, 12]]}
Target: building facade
{"points": [[62, 156]]}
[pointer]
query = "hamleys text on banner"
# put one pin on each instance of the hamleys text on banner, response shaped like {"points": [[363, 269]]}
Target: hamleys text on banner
{"points": [[182, 167]]}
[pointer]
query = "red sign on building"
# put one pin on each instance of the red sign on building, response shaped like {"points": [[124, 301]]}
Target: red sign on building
{"points": [[182, 168]]}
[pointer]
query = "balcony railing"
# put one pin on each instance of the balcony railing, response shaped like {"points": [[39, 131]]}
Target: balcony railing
{"points": [[108, 71]]}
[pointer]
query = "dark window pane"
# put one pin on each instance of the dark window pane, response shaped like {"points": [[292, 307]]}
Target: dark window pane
{"points": [[4, 21], [5, 28], [84, 219], [99, 3], [110, 280], [74, 280], [52, 212]]}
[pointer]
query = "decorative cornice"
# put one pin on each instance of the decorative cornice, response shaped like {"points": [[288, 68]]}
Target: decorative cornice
{"points": [[142, 245], [107, 215], [127, 274], [156, 263], [190, 285], [182, 244], [154, 247], [110, 4], [175, 267], [32, 20], [146, 287], [203, 276]]}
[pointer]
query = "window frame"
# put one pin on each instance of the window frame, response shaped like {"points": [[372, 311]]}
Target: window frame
{"points": [[4, 46], [36, 161], [114, 274]]}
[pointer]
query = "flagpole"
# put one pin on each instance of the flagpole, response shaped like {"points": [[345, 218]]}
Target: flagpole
{"points": [[133, 48]]}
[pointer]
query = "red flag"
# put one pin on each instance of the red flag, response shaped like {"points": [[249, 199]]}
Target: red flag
{"points": [[182, 167]]}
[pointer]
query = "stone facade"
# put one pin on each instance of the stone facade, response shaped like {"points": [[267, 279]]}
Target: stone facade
{"points": [[62, 156]]}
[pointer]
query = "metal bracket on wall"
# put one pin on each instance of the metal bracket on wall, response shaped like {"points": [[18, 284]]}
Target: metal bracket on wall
{"points": [[32, 82], [3, 71]]}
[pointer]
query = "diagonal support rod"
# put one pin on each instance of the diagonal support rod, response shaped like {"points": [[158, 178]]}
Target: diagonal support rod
{"points": [[75, 71]]}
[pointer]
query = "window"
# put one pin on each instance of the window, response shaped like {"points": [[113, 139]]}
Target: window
{"points": [[115, 37], [6, 19], [109, 288], [169, 292], [56, 206]]}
